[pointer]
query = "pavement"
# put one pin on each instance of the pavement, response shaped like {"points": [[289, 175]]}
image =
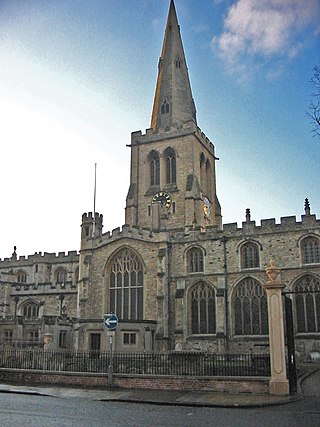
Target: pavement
{"points": [[159, 397], [309, 385]]}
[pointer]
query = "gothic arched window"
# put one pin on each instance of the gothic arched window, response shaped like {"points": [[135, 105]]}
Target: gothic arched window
{"points": [[61, 276], [21, 277], [249, 255], [250, 308], [171, 174], [203, 179], [307, 304], [154, 163], [310, 250], [194, 260], [203, 309], [208, 180], [165, 108], [126, 286], [30, 310]]}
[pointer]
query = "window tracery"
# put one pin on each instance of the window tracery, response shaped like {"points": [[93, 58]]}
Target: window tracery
{"points": [[307, 304], [250, 308], [310, 250], [126, 286], [203, 309], [170, 158], [194, 260], [250, 255]]}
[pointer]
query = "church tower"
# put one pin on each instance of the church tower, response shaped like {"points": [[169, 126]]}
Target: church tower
{"points": [[172, 180]]}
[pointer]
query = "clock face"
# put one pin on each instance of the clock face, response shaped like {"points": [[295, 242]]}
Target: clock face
{"points": [[163, 198], [206, 207]]}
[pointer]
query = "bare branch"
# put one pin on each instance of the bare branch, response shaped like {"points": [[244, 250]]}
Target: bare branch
{"points": [[314, 108]]}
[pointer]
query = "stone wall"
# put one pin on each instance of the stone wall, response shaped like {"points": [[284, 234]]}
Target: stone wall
{"points": [[234, 385]]}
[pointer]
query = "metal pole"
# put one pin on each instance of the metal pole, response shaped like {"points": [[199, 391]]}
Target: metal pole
{"points": [[110, 371]]}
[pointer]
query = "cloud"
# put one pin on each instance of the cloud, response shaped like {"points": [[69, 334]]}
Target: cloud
{"points": [[265, 28]]}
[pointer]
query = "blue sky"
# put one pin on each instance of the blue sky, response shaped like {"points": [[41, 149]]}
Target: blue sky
{"points": [[78, 76]]}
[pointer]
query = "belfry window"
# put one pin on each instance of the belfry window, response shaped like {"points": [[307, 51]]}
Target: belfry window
{"points": [[171, 174], [249, 255], [154, 169], [250, 308], [126, 286], [165, 108], [310, 250], [178, 62], [307, 304], [203, 309], [194, 260]]}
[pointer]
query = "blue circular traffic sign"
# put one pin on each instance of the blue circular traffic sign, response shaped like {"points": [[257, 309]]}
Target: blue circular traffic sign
{"points": [[110, 321]]}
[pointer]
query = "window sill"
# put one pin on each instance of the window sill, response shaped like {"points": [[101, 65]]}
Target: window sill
{"points": [[308, 335], [201, 337], [252, 337]]}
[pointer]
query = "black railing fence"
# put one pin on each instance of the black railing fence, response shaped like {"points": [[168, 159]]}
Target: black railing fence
{"points": [[174, 363]]}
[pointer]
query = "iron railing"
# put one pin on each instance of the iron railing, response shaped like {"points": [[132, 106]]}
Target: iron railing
{"points": [[174, 363]]}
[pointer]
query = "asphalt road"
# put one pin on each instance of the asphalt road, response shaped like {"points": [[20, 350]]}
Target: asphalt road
{"points": [[311, 385], [33, 411]]}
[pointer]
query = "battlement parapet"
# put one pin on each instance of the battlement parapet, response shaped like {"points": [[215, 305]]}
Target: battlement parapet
{"points": [[266, 223], [126, 230], [88, 217], [205, 139], [287, 223], [171, 132], [250, 228], [39, 257]]}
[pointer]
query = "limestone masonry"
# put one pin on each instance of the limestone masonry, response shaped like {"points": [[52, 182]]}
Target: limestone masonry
{"points": [[176, 277]]}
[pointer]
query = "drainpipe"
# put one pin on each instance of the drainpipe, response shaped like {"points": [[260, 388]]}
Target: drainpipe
{"points": [[226, 301]]}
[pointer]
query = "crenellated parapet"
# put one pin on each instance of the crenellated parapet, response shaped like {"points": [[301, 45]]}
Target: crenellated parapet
{"points": [[41, 257], [308, 223], [126, 231], [152, 135]]}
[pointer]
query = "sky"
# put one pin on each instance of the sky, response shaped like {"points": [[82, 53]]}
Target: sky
{"points": [[78, 76]]}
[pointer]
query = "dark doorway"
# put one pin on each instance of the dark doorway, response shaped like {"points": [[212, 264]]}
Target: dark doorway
{"points": [[95, 342]]}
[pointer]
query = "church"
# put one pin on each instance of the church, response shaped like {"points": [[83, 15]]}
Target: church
{"points": [[177, 278]]}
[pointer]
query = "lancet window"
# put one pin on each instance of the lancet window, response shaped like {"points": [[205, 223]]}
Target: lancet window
{"points": [[165, 108], [171, 174], [154, 169]]}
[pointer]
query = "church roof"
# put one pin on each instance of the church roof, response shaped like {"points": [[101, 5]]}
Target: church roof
{"points": [[173, 102]]}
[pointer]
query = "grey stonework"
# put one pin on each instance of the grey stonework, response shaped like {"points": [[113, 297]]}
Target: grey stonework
{"points": [[160, 238]]}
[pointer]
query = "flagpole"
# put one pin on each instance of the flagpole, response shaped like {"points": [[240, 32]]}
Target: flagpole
{"points": [[94, 201]]}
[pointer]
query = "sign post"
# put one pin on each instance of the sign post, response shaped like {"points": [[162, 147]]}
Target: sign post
{"points": [[110, 322]]}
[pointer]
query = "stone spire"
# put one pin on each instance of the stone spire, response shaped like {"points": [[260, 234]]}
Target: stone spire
{"points": [[173, 103]]}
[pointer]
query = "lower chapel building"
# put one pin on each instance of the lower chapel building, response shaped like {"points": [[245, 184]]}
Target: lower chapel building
{"points": [[174, 275]]}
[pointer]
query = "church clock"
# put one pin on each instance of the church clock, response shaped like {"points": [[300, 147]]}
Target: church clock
{"points": [[163, 198]]}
